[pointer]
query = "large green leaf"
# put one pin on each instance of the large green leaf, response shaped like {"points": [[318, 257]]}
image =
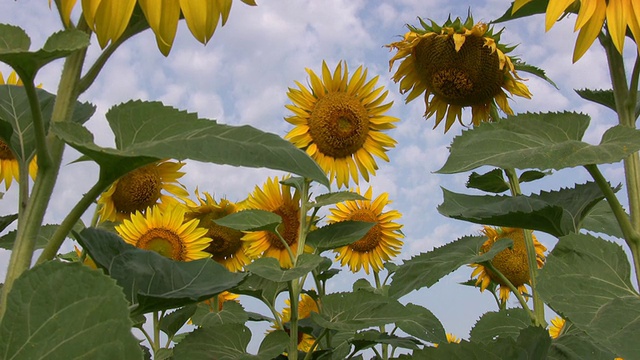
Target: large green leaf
{"points": [[358, 310], [232, 313], [491, 181], [504, 323], [171, 323], [428, 268], [150, 129], [574, 344], [66, 311], [151, 281], [260, 288], [423, 325], [16, 111], [15, 43], [338, 234], [269, 268], [251, 220], [601, 220], [587, 280], [555, 212], [538, 141]]}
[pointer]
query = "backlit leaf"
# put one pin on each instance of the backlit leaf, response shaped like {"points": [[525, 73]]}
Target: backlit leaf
{"points": [[338, 234]]}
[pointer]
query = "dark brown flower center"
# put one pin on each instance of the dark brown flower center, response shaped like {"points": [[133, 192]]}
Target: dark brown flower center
{"points": [[225, 242], [5, 152], [512, 263], [164, 242], [371, 240], [339, 124], [470, 76], [288, 229], [137, 190]]}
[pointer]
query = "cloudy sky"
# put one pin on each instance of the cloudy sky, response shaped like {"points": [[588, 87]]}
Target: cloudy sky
{"points": [[242, 76]]}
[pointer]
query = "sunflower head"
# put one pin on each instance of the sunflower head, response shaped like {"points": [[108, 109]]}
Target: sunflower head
{"points": [[340, 122], [226, 247], [456, 65], [166, 232], [511, 262], [142, 188], [557, 327], [380, 244]]}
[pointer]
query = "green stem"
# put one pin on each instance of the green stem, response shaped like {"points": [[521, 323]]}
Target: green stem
{"points": [[315, 344], [70, 221], [513, 289], [385, 347], [538, 304], [294, 293], [155, 346]]}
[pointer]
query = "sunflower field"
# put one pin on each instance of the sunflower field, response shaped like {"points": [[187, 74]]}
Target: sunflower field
{"points": [[165, 271]]}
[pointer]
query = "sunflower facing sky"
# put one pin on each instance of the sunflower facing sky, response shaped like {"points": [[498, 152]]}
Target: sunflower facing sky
{"points": [[380, 244], [619, 14], [140, 189], [306, 306], [109, 19], [167, 233], [340, 122], [456, 65], [226, 247], [511, 262], [9, 165], [276, 198]]}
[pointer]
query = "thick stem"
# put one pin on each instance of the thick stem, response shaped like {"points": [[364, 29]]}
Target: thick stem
{"points": [[538, 304], [70, 221], [385, 347], [294, 293]]}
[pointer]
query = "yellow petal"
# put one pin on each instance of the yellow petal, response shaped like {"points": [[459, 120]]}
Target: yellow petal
{"points": [[587, 8], [633, 19], [201, 17], [589, 32], [66, 6], [89, 9], [518, 4], [617, 21], [112, 19], [162, 16], [554, 10]]}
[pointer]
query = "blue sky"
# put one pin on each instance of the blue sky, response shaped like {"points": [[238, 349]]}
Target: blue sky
{"points": [[242, 76]]}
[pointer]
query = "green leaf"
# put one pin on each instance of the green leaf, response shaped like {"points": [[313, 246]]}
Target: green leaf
{"points": [[150, 129], [337, 197], [172, 322], [222, 342], [532, 175], [260, 288], [274, 344], [338, 234], [152, 281], [232, 313], [538, 141], [505, 323], [601, 220], [587, 280], [533, 70], [162, 354], [6, 221], [428, 268], [423, 325], [269, 268], [491, 181], [602, 97], [574, 344], [16, 111], [66, 311], [358, 310], [45, 233], [370, 338], [555, 212], [532, 8], [251, 220], [15, 49]]}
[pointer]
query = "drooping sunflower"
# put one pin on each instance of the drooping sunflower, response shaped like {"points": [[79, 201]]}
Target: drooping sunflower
{"points": [[142, 188], [619, 15], [457, 65], [226, 247], [167, 233], [278, 199], [306, 306], [109, 19], [556, 327], [9, 165], [511, 262], [380, 244], [340, 122]]}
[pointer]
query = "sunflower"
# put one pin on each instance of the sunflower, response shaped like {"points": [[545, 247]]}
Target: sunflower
{"points": [[226, 247], [451, 339], [167, 233], [557, 326], [306, 306], [381, 243], [591, 17], [220, 299], [339, 121], [455, 66], [109, 19], [276, 198], [511, 262], [141, 188], [9, 164]]}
